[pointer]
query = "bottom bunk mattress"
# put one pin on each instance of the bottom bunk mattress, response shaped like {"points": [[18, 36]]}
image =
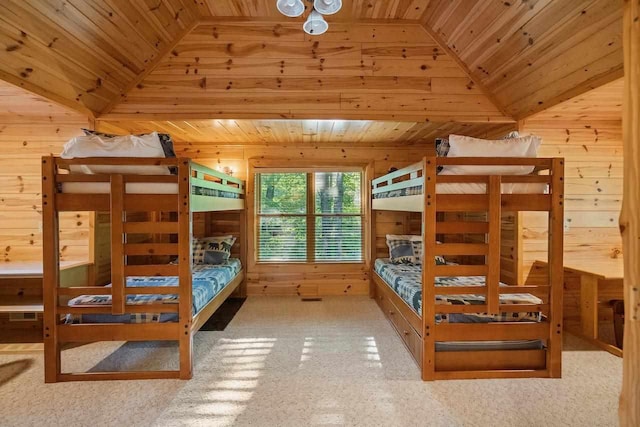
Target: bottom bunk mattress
{"points": [[405, 280], [208, 281]]}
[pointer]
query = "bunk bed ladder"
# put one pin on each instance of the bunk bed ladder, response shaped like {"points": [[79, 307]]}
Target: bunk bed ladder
{"points": [[184, 269], [428, 269]]}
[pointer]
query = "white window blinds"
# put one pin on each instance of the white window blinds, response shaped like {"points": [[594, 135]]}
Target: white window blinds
{"points": [[309, 217]]}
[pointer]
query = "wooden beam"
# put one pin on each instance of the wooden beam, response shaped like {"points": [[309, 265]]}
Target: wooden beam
{"points": [[630, 217], [151, 65]]}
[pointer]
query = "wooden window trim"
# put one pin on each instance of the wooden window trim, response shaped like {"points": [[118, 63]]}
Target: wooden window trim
{"points": [[310, 214]]}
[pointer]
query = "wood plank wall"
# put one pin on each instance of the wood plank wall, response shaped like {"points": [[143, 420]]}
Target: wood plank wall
{"points": [[30, 129], [303, 280], [308, 280], [313, 279], [240, 69], [593, 194]]}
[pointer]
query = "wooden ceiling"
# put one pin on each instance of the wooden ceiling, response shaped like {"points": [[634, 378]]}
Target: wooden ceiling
{"points": [[310, 132], [597, 105], [351, 10], [20, 106], [414, 61], [532, 54], [85, 54]]}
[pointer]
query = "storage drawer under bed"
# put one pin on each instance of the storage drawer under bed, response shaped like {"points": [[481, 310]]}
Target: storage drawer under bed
{"points": [[407, 333]]}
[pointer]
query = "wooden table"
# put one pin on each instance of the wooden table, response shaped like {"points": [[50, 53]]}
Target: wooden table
{"points": [[21, 292], [593, 277], [26, 274]]}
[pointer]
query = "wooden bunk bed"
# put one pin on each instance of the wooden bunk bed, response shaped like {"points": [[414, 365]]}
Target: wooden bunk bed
{"points": [[495, 348], [194, 188]]}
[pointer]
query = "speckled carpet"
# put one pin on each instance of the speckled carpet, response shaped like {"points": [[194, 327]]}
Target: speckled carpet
{"points": [[283, 362]]}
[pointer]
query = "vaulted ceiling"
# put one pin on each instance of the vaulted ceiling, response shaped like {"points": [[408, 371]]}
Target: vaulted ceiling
{"points": [[422, 61]]}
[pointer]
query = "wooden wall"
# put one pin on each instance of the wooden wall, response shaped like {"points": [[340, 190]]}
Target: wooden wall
{"points": [[316, 279], [239, 69], [31, 127], [593, 192], [326, 141], [587, 132]]}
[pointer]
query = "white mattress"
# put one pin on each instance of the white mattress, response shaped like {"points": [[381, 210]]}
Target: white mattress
{"points": [[130, 188], [478, 188]]}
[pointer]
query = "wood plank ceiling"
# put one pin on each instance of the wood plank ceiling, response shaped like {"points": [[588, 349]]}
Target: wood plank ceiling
{"points": [[601, 104], [20, 106], [306, 132], [84, 54], [532, 54], [439, 61]]}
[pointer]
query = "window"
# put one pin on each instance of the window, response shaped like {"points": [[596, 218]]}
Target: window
{"points": [[309, 217]]}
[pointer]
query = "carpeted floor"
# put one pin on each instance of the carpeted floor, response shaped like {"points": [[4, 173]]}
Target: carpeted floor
{"points": [[283, 362]]}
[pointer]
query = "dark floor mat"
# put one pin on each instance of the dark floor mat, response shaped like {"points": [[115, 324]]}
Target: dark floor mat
{"points": [[223, 315]]}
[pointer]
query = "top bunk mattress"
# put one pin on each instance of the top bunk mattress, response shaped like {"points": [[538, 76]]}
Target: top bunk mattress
{"points": [[207, 282], [467, 188], [405, 280]]}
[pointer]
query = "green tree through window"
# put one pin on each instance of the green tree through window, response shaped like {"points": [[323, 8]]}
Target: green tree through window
{"points": [[315, 217]]}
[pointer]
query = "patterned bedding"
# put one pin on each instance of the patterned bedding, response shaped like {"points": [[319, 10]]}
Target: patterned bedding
{"points": [[212, 192], [405, 280], [409, 191], [208, 281], [467, 188]]}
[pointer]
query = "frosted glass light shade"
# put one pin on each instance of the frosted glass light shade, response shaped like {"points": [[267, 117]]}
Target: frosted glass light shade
{"points": [[290, 8], [315, 24], [327, 7]]}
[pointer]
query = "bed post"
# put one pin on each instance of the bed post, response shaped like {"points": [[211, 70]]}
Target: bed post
{"points": [[184, 269], [118, 278], [50, 270], [556, 268], [243, 250], [428, 268], [494, 188], [373, 253]]}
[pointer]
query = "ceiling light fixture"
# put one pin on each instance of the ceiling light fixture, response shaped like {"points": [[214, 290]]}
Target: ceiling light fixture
{"points": [[290, 8], [327, 7], [315, 23]]}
